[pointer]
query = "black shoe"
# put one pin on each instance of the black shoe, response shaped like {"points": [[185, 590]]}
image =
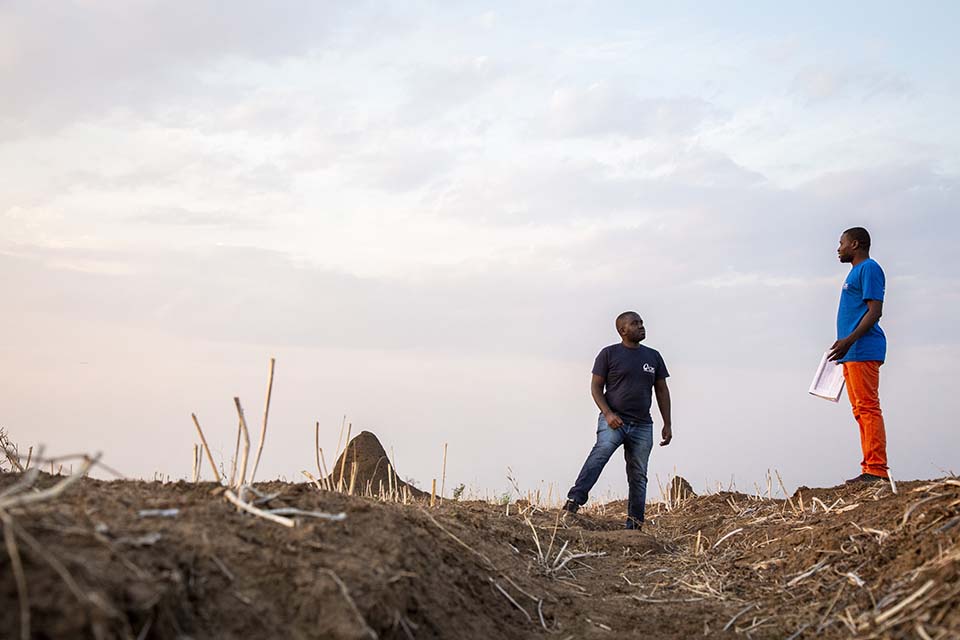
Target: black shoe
{"points": [[866, 477], [633, 524], [570, 506]]}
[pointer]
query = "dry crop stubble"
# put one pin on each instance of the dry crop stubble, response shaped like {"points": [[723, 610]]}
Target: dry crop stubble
{"points": [[365, 555]]}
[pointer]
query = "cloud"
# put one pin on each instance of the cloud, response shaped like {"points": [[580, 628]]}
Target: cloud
{"points": [[815, 84], [735, 279], [67, 61], [181, 217], [604, 109], [433, 89]]}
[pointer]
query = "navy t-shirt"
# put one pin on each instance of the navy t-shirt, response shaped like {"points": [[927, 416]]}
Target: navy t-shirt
{"points": [[629, 375], [864, 282]]}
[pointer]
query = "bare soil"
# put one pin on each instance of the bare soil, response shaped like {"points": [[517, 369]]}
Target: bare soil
{"points": [[850, 562]]}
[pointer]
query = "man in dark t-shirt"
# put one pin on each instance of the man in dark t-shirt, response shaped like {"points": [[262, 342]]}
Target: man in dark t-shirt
{"points": [[625, 377]]}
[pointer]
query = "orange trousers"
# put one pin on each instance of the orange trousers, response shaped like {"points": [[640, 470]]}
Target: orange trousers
{"points": [[863, 388]]}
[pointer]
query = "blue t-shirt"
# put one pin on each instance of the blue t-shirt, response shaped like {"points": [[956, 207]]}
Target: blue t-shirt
{"points": [[865, 282], [628, 375]]}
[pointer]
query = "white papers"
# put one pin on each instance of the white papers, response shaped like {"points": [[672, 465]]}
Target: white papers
{"points": [[828, 381]]}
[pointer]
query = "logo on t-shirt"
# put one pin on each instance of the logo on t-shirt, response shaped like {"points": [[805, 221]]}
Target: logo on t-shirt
{"points": [[648, 368]]}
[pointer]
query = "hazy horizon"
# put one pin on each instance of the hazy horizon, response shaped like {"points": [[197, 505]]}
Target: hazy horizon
{"points": [[431, 215]]}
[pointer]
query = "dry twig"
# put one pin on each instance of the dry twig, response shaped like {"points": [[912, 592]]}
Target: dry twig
{"points": [[367, 630], [232, 497], [206, 447], [11, 542], [266, 414]]}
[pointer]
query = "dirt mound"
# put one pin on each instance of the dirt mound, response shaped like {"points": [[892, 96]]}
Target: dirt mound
{"points": [[680, 490], [387, 570], [365, 466], [851, 560], [824, 563]]}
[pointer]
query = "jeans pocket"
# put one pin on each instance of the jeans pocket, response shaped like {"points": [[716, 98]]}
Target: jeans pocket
{"points": [[602, 424]]}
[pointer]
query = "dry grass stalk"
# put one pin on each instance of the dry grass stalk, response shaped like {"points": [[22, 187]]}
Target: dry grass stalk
{"points": [[61, 570], [921, 631], [316, 447], [325, 474], [242, 479], [11, 451], [26, 480], [369, 632], [806, 574], [510, 598], [15, 563], [343, 424], [353, 472], [266, 415], [343, 461], [396, 484], [663, 494], [29, 456], [313, 480], [236, 457], [886, 615], [22, 499], [784, 489], [232, 497], [195, 474], [737, 615], [913, 507], [390, 482], [724, 537], [321, 515], [433, 493], [443, 472], [553, 536], [206, 447], [558, 563]]}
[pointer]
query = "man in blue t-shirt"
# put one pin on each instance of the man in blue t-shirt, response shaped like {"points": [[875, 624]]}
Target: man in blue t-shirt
{"points": [[625, 377], [861, 348]]}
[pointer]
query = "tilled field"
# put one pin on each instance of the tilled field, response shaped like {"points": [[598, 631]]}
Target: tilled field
{"points": [[825, 563]]}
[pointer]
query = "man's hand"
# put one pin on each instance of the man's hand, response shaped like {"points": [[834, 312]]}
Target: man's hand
{"points": [[613, 420], [667, 434], [839, 349]]}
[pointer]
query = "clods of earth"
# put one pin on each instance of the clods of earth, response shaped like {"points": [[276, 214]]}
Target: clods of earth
{"points": [[131, 559]]}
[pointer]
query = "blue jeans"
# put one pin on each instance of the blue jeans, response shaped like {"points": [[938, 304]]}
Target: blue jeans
{"points": [[637, 441]]}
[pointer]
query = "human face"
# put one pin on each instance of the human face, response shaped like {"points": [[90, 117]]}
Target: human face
{"points": [[634, 330], [847, 249]]}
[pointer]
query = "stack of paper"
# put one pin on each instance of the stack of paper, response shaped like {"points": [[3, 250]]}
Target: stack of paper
{"points": [[828, 381]]}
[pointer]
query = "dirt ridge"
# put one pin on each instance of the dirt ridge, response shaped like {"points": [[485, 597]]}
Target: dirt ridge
{"points": [[408, 571]]}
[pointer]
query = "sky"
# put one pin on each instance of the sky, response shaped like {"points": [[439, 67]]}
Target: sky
{"points": [[431, 213]]}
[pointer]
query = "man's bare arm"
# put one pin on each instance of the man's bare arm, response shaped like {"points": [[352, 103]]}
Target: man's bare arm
{"points": [[663, 402], [596, 390], [870, 318]]}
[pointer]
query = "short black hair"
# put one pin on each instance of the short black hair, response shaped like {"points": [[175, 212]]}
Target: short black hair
{"points": [[623, 316], [861, 235]]}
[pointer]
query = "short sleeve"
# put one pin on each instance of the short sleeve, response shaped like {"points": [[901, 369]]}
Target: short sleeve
{"points": [[873, 282], [602, 364], [661, 368]]}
